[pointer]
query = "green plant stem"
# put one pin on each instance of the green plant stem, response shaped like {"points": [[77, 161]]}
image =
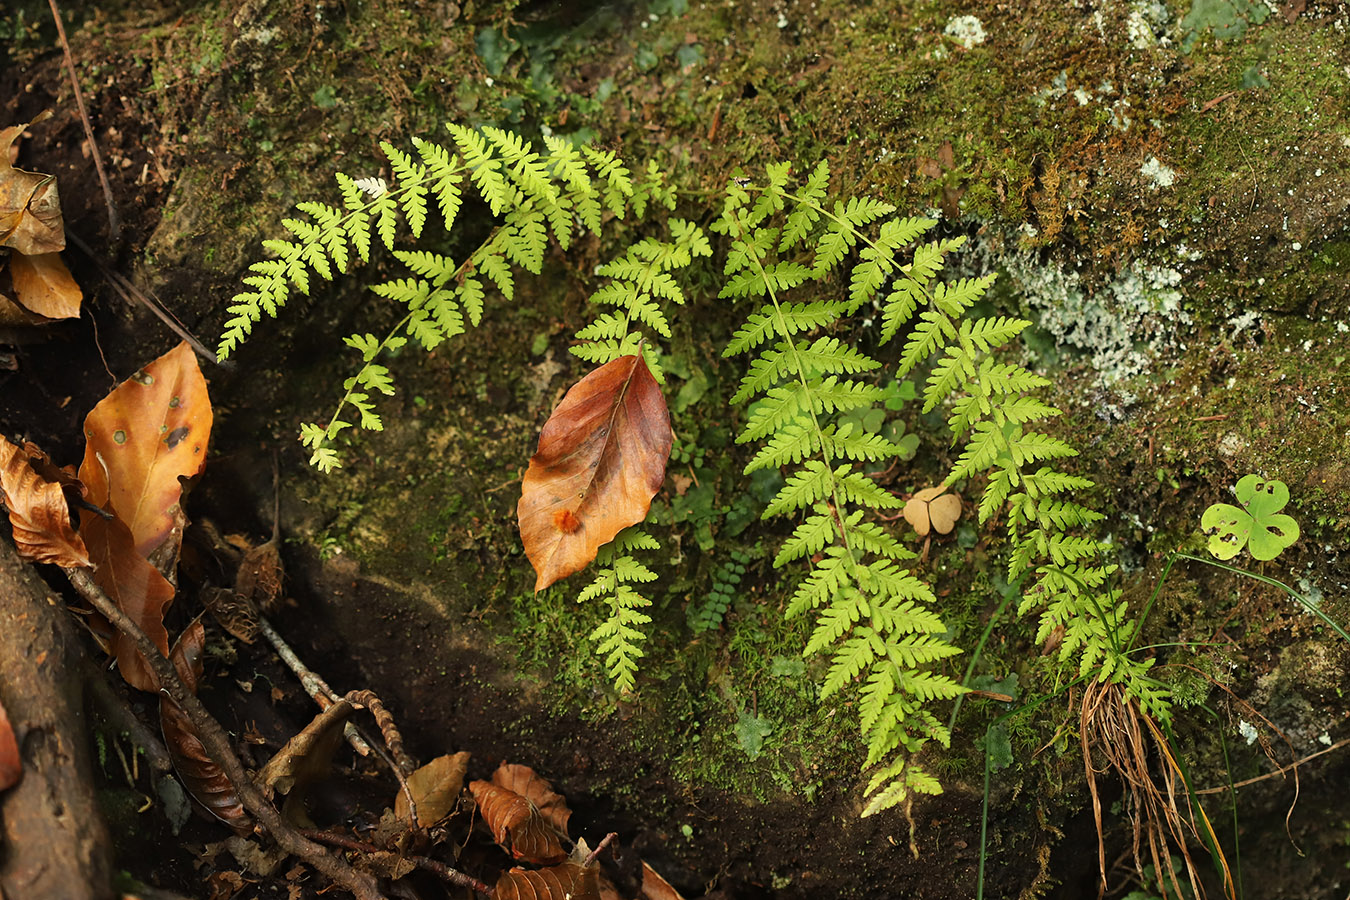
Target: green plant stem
{"points": [[975, 654], [1273, 582]]}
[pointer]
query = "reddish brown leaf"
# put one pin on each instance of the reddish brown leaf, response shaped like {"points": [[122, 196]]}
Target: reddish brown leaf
{"points": [[135, 586], [42, 284], [149, 432], [527, 783], [204, 780], [654, 887], [517, 825], [568, 881], [435, 788], [37, 512], [601, 458], [11, 766], [30, 207]]}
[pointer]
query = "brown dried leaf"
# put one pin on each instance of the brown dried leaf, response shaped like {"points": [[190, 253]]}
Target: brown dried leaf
{"points": [[435, 788], [601, 458], [11, 766], [306, 757], [517, 825], [568, 881], [135, 586], [142, 438], [944, 511], [38, 512], [930, 509], [259, 576], [654, 887], [43, 285], [527, 783], [237, 616], [202, 777], [30, 207]]}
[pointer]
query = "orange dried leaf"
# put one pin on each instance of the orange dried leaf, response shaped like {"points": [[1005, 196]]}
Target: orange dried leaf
{"points": [[527, 783], [43, 285], [202, 777], [150, 431], [135, 586], [30, 207], [11, 766], [435, 788], [568, 881], [38, 512], [654, 887], [517, 825], [601, 458]]}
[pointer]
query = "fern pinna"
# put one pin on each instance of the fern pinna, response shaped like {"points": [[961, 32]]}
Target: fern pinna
{"points": [[529, 194], [873, 616], [639, 283]]}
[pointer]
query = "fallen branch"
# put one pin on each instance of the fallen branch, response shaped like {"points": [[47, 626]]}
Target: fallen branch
{"points": [[441, 870], [217, 744]]}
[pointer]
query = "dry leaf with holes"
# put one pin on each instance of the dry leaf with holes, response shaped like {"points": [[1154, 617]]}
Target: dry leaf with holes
{"points": [[568, 881], [38, 512], [435, 788], [601, 458], [932, 510], [529, 784], [517, 825]]}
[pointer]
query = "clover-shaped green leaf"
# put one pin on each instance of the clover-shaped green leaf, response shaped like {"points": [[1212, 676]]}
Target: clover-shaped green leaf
{"points": [[1258, 524]]}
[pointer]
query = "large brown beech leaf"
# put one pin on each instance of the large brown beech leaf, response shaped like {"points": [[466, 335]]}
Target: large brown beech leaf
{"points": [[568, 881], [435, 788], [149, 432], [529, 784], [136, 586], [42, 284], [601, 458], [517, 825], [11, 766], [204, 780], [37, 512]]}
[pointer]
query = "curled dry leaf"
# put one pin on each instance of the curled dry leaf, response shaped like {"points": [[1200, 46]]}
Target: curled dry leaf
{"points": [[435, 788], [568, 881], [202, 777], [932, 510], [517, 825], [601, 458], [11, 766], [527, 783], [135, 586], [30, 207], [43, 285], [259, 576], [654, 887], [38, 512], [306, 757]]}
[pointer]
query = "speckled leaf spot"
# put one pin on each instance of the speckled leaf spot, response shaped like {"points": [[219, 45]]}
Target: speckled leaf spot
{"points": [[1257, 525]]}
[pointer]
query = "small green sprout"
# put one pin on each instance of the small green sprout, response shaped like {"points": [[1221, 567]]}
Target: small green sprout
{"points": [[1258, 524]]}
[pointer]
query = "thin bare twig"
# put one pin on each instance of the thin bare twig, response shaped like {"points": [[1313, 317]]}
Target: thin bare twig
{"points": [[114, 221], [1280, 772], [132, 295], [605, 842], [217, 745], [398, 761], [440, 869], [311, 681], [119, 715]]}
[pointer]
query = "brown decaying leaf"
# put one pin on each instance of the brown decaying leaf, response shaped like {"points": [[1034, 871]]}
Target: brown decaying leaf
{"points": [[568, 881], [435, 788], [601, 458], [11, 766], [141, 438], [38, 512], [517, 825], [932, 510], [654, 887], [135, 586], [527, 783], [43, 285], [204, 780], [259, 576], [306, 757], [30, 207]]}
